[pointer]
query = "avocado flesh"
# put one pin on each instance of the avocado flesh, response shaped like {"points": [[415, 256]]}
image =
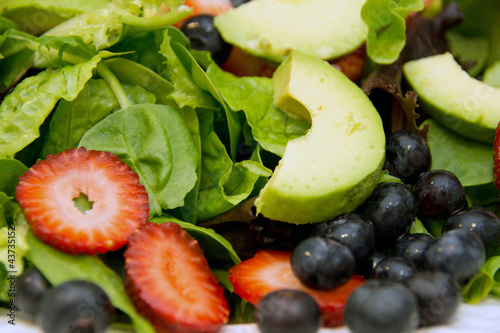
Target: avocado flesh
{"points": [[336, 165], [459, 102], [271, 29]]}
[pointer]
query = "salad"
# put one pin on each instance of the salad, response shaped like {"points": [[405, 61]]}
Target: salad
{"points": [[159, 123]]}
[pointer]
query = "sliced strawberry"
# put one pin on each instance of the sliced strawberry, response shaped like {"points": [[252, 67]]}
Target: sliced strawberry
{"points": [[117, 202], [496, 157], [271, 270], [170, 282]]}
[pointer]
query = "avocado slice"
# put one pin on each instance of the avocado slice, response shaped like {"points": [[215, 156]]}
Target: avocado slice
{"points": [[459, 102], [271, 29], [336, 165]]}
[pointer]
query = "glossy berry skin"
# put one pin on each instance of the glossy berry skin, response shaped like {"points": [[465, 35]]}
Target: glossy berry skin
{"points": [[459, 253], [204, 36], [367, 267], [412, 247], [438, 297], [75, 306], [391, 208], [288, 311], [31, 286], [481, 221], [439, 194], [322, 263], [407, 155], [237, 3], [394, 268], [352, 230], [381, 306]]}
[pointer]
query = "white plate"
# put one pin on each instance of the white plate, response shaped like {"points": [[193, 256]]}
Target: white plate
{"points": [[481, 318]]}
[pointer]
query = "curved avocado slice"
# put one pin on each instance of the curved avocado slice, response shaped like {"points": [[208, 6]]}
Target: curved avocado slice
{"points": [[271, 29], [336, 165], [461, 103]]}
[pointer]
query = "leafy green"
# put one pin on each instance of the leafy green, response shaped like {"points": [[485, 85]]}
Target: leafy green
{"points": [[387, 27], [215, 247], [223, 184], [24, 110], [149, 138], [474, 50], [484, 282], [158, 14], [271, 127], [469, 160], [59, 267], [492, 75], [10, 170]]}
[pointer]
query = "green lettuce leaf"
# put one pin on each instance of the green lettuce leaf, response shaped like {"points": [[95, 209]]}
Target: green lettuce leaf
{"points": [[473, 50], [483, 283], [10, 170], [59, 267], [387, 27], [270, 127], [25, 109], [158, 14], [149, 138], [223, 184]]}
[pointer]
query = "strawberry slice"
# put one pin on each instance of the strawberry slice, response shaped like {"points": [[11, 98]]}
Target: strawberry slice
{"points": [[496, 158], [271, 270], [170, 282], [115, 203]]}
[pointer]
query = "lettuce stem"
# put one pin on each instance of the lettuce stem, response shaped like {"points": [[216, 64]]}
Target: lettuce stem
{"points": [[114, 84]]}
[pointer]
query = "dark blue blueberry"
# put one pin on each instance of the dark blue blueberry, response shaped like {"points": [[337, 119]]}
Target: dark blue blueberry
{"points": [[391, 208], [481, 221], [31, 286], [394, 268], [459, 253], [439, 194], [406, 156], [367, 267], [288, 311], [75, 306], [322, 263], [237, 3], [352, 230], [412, 247], [381, 306], [438, 297], [204, 36]]}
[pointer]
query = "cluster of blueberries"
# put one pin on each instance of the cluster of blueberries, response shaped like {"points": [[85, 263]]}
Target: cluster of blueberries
{"points": [[413, 278]]}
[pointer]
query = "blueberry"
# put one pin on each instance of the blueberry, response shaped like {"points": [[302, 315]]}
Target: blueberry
{"points": [[481, 221], [438, 297], [406, 155], [237, 3], [322, 263], [288, 311], [381, 306], [439, 194], [367, 267], [352, 230], [394, 268], [391, 208], [458, 252], [31, 286], [412, 247], [75, 306], [204, 36]]}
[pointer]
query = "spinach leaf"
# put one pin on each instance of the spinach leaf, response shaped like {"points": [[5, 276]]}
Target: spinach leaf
{"points": [[72, 119], [387, 27], [271, 127], [223, 184], [475, 50], [486, 281], [215, 247], [187, 92], [24, 110], [8, 210], [10, 170], [137, 74], [149, 138], [59, 267], [470, 161]]}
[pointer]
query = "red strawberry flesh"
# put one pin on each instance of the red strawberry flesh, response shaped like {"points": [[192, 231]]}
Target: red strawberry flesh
{"points": [[170, 281], [118, 202], [271, 270]]}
